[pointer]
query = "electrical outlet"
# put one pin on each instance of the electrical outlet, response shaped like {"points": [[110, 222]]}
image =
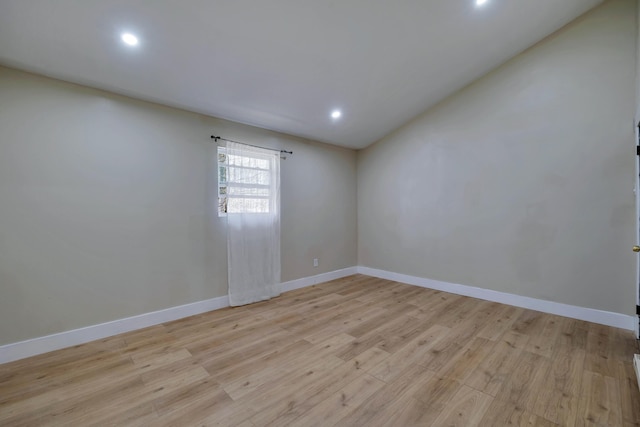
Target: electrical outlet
{"points": [[315, 262]]}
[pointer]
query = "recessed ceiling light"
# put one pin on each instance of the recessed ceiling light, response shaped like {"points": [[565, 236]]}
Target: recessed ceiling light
{"points": [[130, 39], [480, 2], [336, 114]]}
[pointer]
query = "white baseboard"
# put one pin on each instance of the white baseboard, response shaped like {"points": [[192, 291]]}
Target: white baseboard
{"points": [[32, 347], [608, 318], [319, 278]]}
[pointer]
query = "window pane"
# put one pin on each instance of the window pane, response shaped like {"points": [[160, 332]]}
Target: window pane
{"points": [[248, 162], [246, 205], [249, 176], [222, 205], [222, 174], [248, 191]]}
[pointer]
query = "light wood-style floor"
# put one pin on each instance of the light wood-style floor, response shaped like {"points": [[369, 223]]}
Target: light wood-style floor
{"points": [[357, 351]]}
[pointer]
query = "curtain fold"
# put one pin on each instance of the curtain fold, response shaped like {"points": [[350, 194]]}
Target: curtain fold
{"points": [[253, 223]]}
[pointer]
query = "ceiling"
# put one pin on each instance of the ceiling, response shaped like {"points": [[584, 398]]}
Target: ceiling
{"points": [[283, 65]]}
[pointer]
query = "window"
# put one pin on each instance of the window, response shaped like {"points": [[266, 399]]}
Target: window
{"points": [[245, 182]]}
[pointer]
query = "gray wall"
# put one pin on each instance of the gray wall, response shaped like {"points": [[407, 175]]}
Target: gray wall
{"points": [[107, 206], [523, 181]]}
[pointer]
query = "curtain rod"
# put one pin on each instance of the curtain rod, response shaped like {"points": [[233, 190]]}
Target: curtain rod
{"points": [[217, 138]]}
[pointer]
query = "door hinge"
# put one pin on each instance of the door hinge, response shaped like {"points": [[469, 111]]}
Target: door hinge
{"points": [[637, 150], [638, 310]]}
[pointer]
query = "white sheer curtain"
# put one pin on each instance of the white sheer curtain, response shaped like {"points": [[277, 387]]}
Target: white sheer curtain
{"points": [[253, 223]]}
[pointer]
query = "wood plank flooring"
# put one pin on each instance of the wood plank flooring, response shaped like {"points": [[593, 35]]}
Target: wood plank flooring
{"points": [[357, 351]]}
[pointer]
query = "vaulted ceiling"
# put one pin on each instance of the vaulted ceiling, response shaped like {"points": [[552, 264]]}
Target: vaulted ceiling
{"points": [[283, 65]]}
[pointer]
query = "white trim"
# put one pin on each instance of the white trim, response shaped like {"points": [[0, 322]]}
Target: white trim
{"points": [[32, 347], [608, 318], [636, 366], [319, 278], [636, 190]]}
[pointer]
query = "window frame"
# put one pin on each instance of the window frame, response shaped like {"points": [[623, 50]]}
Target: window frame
{"points": [[225, 184]]}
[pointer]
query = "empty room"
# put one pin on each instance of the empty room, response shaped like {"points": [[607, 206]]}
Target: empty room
{"points": [[319, 213]]}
